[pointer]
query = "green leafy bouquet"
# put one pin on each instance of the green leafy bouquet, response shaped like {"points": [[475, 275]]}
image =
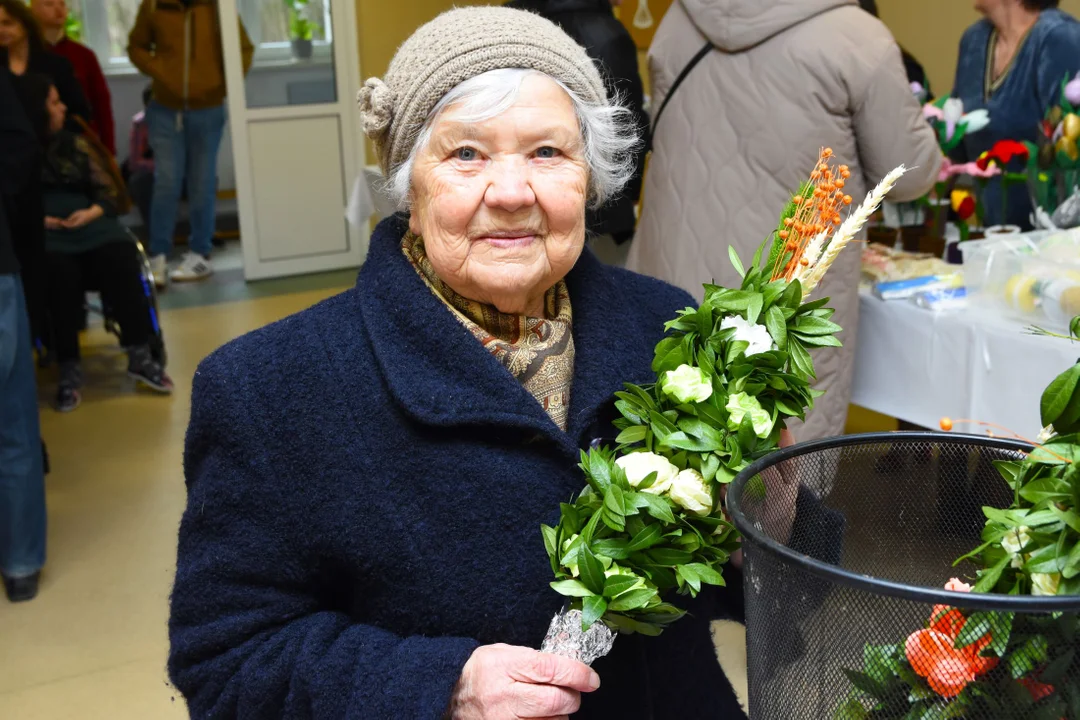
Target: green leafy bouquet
{"points": [[1000, 664], [650, 523]]}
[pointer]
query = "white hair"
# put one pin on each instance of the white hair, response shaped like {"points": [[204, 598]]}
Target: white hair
{"points": [[607, 131]]}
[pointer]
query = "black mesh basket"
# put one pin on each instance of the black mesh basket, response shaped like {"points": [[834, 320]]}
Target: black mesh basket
{"points": [[848, 544]]}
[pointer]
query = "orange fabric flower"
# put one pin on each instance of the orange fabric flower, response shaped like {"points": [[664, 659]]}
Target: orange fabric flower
{"points": [[933, 653]]}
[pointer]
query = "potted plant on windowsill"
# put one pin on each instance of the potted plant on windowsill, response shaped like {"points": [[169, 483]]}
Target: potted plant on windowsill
{"points": [[301, 28]]}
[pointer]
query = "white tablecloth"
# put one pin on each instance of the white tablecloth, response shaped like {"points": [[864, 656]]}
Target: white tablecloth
{"points": [[920, 366]]}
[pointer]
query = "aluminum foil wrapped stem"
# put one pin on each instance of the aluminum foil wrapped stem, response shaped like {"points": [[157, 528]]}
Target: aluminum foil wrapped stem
{"points": [[566, 638]]}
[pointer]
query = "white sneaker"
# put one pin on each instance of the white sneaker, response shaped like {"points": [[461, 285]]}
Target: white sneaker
{"points": [[193, 267], [159, 269]]}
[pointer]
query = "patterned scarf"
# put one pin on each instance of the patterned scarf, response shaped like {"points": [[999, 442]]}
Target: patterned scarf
{"points": [[539, 352]]}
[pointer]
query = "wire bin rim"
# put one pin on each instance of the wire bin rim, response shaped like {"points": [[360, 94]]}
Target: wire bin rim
{"points": [[929, 596]]}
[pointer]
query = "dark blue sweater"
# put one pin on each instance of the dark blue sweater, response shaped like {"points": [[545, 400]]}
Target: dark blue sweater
{"points": [[366, 486], [1017, 107]]}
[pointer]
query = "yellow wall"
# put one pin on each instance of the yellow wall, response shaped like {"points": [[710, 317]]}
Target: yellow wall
{"points": [[931, 29], [385, 24]]}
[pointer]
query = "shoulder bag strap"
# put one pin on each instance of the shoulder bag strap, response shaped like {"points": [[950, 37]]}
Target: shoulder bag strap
{"points": [[675, 86]]}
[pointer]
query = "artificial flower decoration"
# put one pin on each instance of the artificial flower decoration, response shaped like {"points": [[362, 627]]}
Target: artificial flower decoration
{"points": [[972, 169], [963, 203], [1072, 90], [933, 654], [1002, 153], [952, 123]]}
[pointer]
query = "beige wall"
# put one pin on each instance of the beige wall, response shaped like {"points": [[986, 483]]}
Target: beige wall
{"points": [[931, 29]]}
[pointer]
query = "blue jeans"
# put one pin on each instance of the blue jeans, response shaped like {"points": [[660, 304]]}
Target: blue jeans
{"points": [[185, 144], [22, 479]]}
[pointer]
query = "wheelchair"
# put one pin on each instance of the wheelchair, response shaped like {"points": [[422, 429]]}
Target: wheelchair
{"points": [[146, 278]]}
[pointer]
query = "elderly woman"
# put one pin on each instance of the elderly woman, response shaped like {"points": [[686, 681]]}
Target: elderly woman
{"points": [[367, 479], [1012, 63]]}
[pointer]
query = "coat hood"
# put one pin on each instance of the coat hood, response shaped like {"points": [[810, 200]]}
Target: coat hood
{"points": [[735, 25]]}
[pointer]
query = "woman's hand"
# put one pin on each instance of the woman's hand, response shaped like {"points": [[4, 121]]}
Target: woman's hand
{"points": [[81, 218], [505, 682], [53, 223]]}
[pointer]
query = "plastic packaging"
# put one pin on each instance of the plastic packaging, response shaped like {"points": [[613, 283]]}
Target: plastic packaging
{"points": [[1034, 277]]}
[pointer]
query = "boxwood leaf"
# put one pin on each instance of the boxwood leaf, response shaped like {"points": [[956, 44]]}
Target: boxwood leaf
{"points": [[753, 309], [651, 535], [735, 262], [632, 435], [1057, 395], [655, 506], [811, 325], [592, 609], [592, 571], [618, 584], [633, 599], [571, 588], [611, 547], [667, 557], [774, 321]]}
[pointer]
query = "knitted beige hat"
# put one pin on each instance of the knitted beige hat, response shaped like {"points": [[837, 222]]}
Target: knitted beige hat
{"points": [[458, 45]]}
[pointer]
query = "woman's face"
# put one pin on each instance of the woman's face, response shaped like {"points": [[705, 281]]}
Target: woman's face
{"points": [[501, 204], [57, 110], [12, 32]]}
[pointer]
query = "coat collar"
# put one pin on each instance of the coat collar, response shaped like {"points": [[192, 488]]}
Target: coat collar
{"points": [[440, 375]]}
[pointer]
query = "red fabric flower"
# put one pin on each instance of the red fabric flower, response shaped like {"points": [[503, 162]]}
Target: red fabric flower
{"points": [[1002, 153], [1037, 689], [933, 653]]}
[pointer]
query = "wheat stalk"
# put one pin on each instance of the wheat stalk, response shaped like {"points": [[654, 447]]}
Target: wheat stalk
{"points": [[810, 255], [850, 228]]}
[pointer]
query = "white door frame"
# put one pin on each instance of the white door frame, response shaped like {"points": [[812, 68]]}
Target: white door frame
{"points": [[346, 82]]}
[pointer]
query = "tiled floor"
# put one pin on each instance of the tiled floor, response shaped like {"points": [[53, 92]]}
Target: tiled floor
{"points": [[93, 645]]}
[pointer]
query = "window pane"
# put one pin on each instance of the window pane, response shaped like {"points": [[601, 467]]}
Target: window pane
{"points": [[121, 18], [281, 21], [74, 27]]}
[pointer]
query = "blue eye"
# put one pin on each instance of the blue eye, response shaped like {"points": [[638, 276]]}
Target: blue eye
{"points": [[466, 154], [547, 153]]}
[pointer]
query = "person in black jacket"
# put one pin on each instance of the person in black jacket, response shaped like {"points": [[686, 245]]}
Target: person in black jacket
{"points": [[22, 480], [26, 54], [21, 36], [592, 25]]}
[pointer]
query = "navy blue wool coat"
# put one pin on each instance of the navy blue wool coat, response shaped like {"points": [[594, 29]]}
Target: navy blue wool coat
{"points": [[366, 486]]}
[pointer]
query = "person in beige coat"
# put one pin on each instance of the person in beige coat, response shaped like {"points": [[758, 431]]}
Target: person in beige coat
{"points": [[780, 80]]}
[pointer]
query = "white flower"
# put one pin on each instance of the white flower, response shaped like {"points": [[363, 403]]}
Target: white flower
{"points": [[757, 335], [1045, 434], [739, 404], [687, 384], [1045, 583], [953, 111], [976, 120], [1015, 540], [691, 493], [638, 466]]}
